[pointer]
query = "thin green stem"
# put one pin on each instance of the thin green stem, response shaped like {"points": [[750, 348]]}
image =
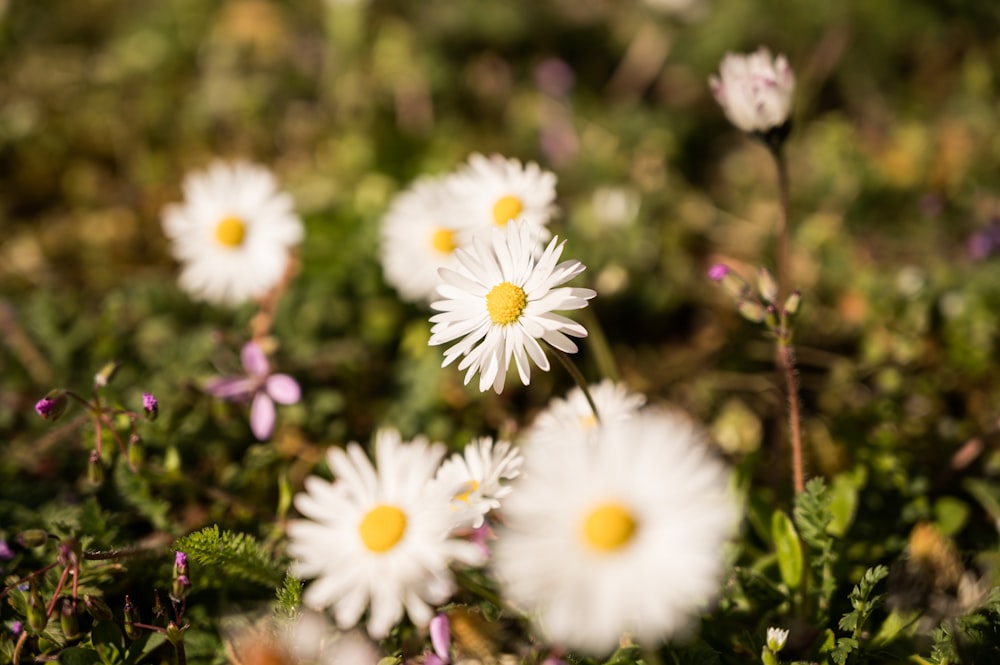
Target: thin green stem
{"points": [[782, 258], [785, 352], [577, 377], [597, 342]]}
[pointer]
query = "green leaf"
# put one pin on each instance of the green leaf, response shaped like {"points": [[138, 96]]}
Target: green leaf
{"points": [[289, 597], [232, 555], [950, 515], [844, 500], [788, 548], [78, 656]]}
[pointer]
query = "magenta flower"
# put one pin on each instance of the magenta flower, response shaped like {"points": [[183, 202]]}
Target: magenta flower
{"points": [[260, 387]]}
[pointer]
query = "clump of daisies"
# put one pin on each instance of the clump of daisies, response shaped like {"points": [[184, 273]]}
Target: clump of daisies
{"points": [[381, 537], [234, 233], [499, 303], [435, 216], [620, 535]]}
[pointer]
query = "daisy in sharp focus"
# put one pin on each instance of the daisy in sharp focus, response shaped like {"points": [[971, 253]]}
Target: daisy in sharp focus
{"points": [[566, 418], [622, 536], [234, 233], [482, 471], [500, 301], [379, 537], [419, 234], [495, 190]]}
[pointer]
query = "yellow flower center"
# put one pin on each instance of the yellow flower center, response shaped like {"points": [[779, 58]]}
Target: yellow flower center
{"points": [[506, 209], [505, 302], [470, 487], [382, 527], [443, 240], [588, 421], [608, 527], [230, 232]]}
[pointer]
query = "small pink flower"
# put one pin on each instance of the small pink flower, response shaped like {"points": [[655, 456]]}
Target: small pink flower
{"points": [[718, 272], [259, 386]]}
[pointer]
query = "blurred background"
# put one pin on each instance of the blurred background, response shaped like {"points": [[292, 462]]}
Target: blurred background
{"points": [[106, 104]]}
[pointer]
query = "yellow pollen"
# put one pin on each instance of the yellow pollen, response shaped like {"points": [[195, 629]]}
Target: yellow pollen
{"points": [[443, 240], [505, 302], [608, 527], [470, 487], [230, 232], [506, 209], [588, 421], [382, 528]]}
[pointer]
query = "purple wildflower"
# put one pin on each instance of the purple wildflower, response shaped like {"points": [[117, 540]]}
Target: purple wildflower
{"points": [[718, 272], [260, 387], [150, 405]]}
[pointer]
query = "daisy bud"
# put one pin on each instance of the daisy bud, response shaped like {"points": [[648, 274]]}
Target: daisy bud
{"points": [[52, 405], [97, 608], [755, 92], [67, 619], [37, 617], [32, 538], [104, 376], [150, 406], [174, 633], [95, 470], [792, 302], [767, 286], [751, 310], [776, 638], [132, 617], [733, 284]]}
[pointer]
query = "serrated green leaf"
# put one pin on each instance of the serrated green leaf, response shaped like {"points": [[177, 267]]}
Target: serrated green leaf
{"points": [[788, 548], [232, 555]]}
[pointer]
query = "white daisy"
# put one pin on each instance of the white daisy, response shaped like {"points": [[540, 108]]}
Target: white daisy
{"points": [[624, 536], [420, 233], [495, 190], [565, 419], [500, 301], [233, 234], [379, 537], [481, 471]]}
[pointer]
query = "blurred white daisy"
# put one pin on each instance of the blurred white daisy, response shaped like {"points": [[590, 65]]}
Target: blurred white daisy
{"points": [[623, 536], [306, 639], [500, 300], [234, 233], [482, 471], [420, 233], [755, 90], [379, 536], [495, 190], [565, 419]]}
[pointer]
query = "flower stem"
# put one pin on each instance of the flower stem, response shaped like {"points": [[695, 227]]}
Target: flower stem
{"points": [[785, 352], [577, 377], [782, 259], [786, 359]]}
